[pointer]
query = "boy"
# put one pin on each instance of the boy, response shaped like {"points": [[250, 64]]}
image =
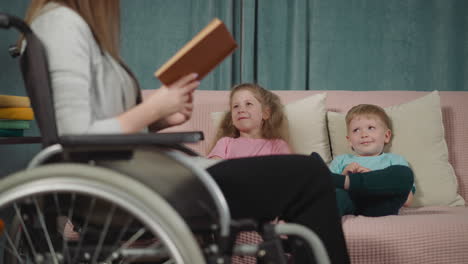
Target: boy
{"points": [[371, 182]]}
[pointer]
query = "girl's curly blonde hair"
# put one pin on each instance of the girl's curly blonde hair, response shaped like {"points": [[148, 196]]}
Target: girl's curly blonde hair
{"points": [[273, 127]]}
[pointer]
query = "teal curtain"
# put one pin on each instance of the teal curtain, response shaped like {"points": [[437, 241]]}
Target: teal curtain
{"points": [[153, 31], [356, 44]]}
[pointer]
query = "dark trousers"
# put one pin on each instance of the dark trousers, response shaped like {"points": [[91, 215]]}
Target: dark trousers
{"points": [[296, 188], [375, 193]]}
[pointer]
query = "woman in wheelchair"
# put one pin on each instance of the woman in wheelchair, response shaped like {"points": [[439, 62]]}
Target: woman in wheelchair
{"points": [[95, 93]]}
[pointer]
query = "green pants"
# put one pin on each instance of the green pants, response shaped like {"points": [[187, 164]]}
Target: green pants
{"points": [[374, 193]]}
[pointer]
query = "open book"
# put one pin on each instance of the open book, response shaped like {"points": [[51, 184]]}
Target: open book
{"points": [[200, 55]]}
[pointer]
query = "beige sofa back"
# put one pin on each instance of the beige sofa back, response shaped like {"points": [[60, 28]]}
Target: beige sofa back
{"points": [[454, 110]]}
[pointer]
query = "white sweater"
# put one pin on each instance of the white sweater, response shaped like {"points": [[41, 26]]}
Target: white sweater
{"points": [[89, 87]]}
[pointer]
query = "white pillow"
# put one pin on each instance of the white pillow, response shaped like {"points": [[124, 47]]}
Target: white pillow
{"points": [[307, 125], [418, 135]]}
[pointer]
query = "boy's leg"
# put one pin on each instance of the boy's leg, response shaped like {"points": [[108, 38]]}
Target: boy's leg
{"points": [[381, 192], [344, 203], [393, 180], [378, 205]]}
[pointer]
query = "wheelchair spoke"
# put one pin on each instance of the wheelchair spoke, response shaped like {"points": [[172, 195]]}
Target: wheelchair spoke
{"points": [[120, 237], [64, 240], [72, 213], [84, 229], [110, 215], [46, 232], [13, 247], [24, 229], [132, 239], [70, 221]]}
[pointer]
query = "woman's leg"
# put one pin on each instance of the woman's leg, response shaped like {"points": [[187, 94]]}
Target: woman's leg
{"points": [[296, 188]]}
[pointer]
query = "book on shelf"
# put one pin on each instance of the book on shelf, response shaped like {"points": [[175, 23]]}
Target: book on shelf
{"points": [[200, 55], [11, 132], [14, 124], [16, 113], [14, 101]]}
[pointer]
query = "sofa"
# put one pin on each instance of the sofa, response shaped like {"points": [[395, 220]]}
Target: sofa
{"points": [[435, 229]]}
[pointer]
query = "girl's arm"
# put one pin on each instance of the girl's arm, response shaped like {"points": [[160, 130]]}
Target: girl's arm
{"points": [[219, 150], [282, 147]]}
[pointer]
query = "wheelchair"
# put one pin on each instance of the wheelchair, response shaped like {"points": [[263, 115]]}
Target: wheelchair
{"points": [[119, 198]]}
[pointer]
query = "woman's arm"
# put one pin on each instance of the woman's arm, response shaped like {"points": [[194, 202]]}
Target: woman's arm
{"points": [[169, 105], [70, 46]]}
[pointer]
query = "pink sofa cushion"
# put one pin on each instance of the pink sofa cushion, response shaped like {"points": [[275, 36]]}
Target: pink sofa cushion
{"points": [[454, 110], [424, 235]]}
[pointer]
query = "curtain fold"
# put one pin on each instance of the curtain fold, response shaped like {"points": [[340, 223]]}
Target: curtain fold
{"points": [[153, 31], [355, 45], [310, 44]]}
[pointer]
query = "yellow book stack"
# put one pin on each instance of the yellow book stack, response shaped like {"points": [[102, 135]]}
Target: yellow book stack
{"points": [[15, 115]]}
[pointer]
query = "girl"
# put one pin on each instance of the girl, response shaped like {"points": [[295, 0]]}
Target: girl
{"points": [[94, 92], [252, 126]]}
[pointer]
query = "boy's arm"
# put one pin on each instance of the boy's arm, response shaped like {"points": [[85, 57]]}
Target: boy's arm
{"points": [[339, 180]]}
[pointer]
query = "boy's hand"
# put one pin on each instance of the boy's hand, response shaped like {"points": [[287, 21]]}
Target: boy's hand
{"points": [[409, 200], [354, 167]]}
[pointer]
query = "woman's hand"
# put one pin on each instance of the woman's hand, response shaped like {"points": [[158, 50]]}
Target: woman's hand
{"points": [[175, 101], [167, 106]]}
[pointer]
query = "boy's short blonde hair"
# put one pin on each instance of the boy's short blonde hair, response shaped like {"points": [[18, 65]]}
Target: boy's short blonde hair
{"points": [[368, 110]]}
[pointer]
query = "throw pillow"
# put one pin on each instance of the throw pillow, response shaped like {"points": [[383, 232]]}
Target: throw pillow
{"points": [[418, 135], [306, 125]]}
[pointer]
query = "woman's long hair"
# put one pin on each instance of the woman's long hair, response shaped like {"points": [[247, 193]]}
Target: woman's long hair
{"points": [[102, 16], [273, 127]]}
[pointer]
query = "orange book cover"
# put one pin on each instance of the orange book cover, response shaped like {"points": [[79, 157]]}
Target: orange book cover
{"points": [[16, 113], [14, 101], [200, 55]]}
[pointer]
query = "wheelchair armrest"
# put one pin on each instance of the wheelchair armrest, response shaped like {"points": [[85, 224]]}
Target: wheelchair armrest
{"points": [[127, 141]]}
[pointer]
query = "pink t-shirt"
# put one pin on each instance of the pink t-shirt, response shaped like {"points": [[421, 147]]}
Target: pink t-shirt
{"points": [[230, 148]]}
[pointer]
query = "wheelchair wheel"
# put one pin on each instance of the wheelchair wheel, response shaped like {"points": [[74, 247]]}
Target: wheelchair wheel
{"points": [[71, 213]]}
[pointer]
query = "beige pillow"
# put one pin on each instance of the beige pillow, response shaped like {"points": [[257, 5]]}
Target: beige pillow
{"points": [[418, 135], [306, 125]]}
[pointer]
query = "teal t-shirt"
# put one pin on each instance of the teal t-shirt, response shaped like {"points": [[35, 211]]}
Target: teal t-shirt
{"points": [[379, 162]]}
